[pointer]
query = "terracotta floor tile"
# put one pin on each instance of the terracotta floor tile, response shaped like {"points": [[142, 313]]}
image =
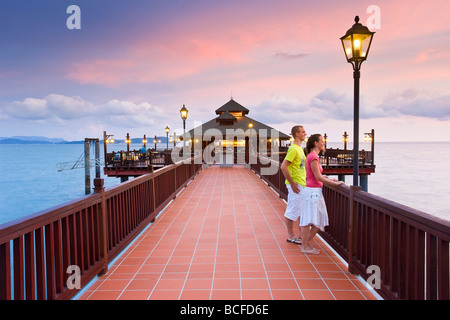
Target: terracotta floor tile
{"points": [[226, 295], [172, 284], [306, 274], [226, 274], [255, 283], [104, 295], [280, 275], [127, 269], [113, 285], [177, 267], [200, 275], [311, 284], [227, 284], [198, 284], [134, 295], [195, 294], [276, 266], [165, 295], [253, 274], [201, 267], [348, 295], [317, 295], [147, 284], [286, 295], [256, 294], [283, 284], [340, 284]]}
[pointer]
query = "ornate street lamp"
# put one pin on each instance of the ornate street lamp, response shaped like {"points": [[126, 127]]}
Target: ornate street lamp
{"points": [[345, 139], [184, 114], [167, 129], [356, 43], [127, 141], [370, 136], [144, 141], [107, 138]]}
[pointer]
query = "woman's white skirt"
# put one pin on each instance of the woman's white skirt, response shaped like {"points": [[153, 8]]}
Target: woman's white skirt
{"points": [[314, 210]]}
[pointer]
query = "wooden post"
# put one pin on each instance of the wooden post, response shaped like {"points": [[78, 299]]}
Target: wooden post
{"points": [[102, 224], [154, 193], [87, 168], [97, 158]]}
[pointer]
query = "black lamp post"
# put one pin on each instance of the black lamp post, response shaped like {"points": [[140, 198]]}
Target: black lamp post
{"points": [[128, 140], [167, 129], [345, 139], [184, 113], [144, 141], [107, 138], [356, 43]]}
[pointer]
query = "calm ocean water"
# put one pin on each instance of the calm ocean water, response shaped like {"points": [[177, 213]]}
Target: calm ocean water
{"points": [[413, 174]]}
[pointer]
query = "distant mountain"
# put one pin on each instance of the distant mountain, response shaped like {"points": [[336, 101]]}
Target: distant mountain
{"points": [[18, 141], [45, 140], [35, 138], [31, 140]]}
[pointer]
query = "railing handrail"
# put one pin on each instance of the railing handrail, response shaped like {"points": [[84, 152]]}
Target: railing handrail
{"points": [[87, 232], [421, 219], [365, 230], [43, 217], [30, 222]]}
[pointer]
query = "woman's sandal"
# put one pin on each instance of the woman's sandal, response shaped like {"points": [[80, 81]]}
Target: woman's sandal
{"points": [[295, 240], [310, 251]]}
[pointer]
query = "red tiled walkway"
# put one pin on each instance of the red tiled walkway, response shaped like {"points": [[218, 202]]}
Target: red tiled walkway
{"points": [[224, 237]]}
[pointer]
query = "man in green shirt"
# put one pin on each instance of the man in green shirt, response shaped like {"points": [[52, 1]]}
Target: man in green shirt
{"points": [[293, 168]]}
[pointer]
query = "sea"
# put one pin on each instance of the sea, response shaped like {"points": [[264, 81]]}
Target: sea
{"points": [[415, 174]]}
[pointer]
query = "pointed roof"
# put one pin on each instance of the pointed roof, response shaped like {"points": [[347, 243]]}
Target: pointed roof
{"points": [[226, 116], [240, 123], [232, 106], [227, 121]]}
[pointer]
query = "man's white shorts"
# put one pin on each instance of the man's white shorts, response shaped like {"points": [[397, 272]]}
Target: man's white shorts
{"points": [[294, 203]]}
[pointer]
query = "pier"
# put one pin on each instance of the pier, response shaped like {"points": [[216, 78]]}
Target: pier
{"points": [[231, 138], [188, 232]]}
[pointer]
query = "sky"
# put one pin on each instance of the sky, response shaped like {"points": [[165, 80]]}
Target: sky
{"points": [[132, 65]]}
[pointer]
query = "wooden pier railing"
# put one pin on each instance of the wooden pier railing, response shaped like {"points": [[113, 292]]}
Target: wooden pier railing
{"points": [[53, 253], [403, 252]]}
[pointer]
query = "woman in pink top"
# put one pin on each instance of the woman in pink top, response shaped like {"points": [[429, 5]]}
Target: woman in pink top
{"points": [[314, 216]]}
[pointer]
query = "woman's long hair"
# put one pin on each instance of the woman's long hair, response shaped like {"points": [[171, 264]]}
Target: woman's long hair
{"points": [[311, 140]]}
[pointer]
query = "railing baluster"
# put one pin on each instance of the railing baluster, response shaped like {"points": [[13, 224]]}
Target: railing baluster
{"points": [[30, 284], [5, 271], [59, 258], [443, 269], [19, 283], [40, 264], [50, 261], [431, 267]]}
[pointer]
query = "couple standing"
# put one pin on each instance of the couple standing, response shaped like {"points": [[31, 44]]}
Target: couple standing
{"points": [[304, 181]]}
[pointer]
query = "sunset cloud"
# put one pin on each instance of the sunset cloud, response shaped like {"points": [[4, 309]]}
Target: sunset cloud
{"points": [[56, 107]]}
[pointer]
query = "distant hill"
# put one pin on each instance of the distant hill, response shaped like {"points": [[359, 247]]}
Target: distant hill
{"points": [[31, 140], [45, 140]]}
